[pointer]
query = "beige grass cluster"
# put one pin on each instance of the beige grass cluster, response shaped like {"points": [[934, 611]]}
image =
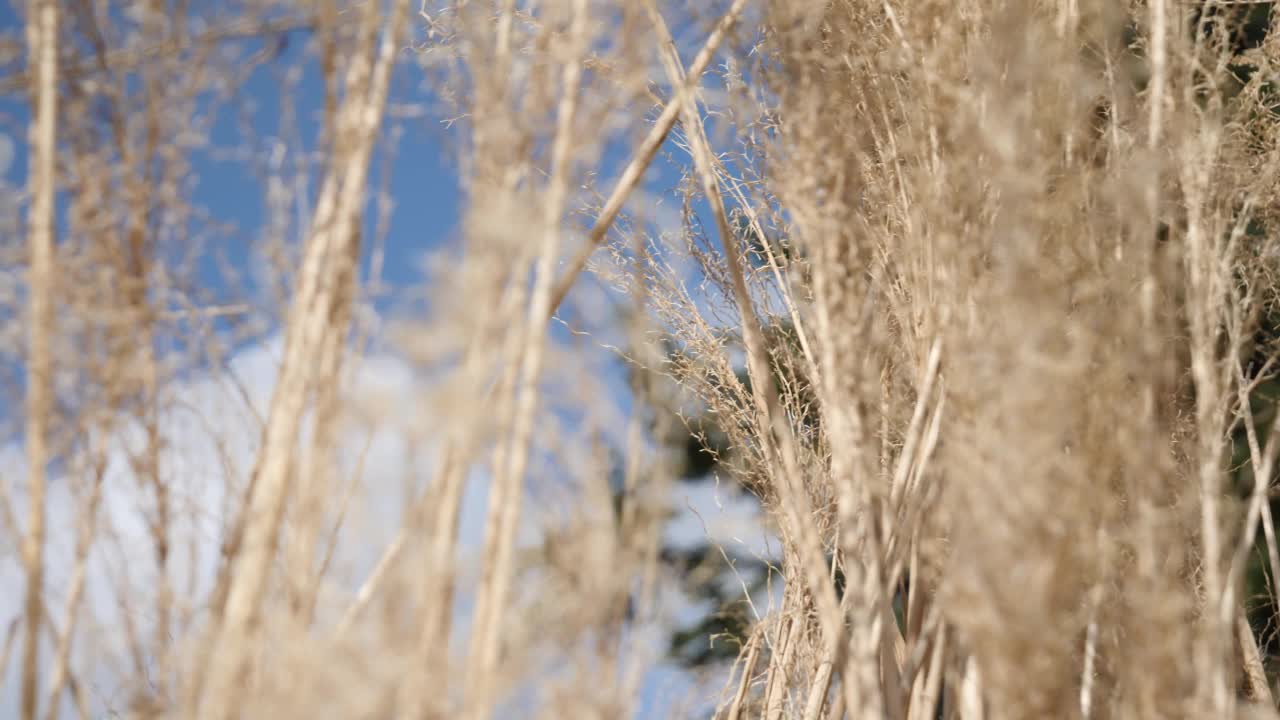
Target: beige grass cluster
{"points": [[1002, 322]]}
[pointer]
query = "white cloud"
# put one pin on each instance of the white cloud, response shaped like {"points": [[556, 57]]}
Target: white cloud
{"points": [[210, 434], [6, 153], [210, 437], [720, 513]]}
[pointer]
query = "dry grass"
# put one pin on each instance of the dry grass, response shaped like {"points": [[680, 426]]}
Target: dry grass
{"points": [[988, 365]]}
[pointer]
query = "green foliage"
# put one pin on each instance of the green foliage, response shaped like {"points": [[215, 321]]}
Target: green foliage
{"points": [[1258, 593], [718, 635], [760, 247], [712, 579]]}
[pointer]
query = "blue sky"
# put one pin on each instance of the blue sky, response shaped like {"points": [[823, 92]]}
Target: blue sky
{"points": [[426, 201], [423, 175]]}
